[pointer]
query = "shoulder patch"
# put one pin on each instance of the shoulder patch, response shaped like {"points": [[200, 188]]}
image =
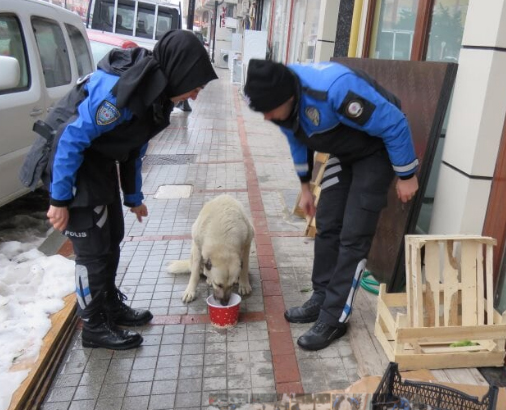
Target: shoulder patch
{"points": [[107, 113], [313, 114], [356, 108]]}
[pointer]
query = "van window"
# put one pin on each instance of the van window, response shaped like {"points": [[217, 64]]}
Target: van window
{"points": [[53, 52], [12, 45], [125, 17], [83, 59], [145, 20]]}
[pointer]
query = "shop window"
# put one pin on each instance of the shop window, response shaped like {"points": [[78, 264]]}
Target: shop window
{"points": [[447, 28], [393, 30]]}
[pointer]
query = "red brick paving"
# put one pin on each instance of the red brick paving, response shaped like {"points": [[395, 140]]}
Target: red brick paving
{"points": [[286, 369]]}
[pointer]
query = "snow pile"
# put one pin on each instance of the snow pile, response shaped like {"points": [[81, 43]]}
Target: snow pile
{"points": [[32, 287]]}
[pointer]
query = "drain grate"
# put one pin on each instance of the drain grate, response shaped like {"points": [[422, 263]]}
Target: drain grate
{"points": [[176, 159]]}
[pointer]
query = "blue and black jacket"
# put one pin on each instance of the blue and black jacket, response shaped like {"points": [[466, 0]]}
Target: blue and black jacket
{"points": [[347, 114], [94, 139]]}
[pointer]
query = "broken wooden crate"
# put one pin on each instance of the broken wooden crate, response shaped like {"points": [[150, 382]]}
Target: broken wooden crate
{"points": [[446, 318]]}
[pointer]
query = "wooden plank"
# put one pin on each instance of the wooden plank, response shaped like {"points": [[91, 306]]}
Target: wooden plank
{"points": [[450, 334], [451, 286], [386, 316], [478, 238], [53, 347], [371, 358], [416, 276], [385, 343], [489, 284], [432, 277], [480, 288], [449, 361], [468, 279], [394, 299], [409, 280]]}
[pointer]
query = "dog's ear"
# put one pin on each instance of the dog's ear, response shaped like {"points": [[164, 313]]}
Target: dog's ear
{"points": [[208, 264]]}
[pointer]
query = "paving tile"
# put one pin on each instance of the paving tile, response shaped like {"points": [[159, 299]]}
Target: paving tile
{"points": [[164, 386], [110, 403], [191, 372], [63, 405], [143, 363], [61, 394], [110, 391], [166, 373], [135, 403], [215, 383], [138, 389], [67, 380], [215, 370], [187, 400], [192, 360], [87, 392], [142, 375], [161, 401], [83, 405]]}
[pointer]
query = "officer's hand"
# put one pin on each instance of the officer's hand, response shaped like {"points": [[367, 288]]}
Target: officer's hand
{"points": [[140, 211], [406, 188], [58, 217], [307, 200]]}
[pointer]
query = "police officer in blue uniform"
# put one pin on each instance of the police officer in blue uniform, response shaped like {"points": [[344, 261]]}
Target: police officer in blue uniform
{"points": [[90, 146], [329, 108]]}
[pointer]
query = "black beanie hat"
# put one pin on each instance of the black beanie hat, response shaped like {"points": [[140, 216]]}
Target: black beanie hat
{"points": [[268, 85]]}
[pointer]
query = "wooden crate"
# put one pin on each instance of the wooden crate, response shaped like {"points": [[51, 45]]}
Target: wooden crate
{"points": [[448, 299]]}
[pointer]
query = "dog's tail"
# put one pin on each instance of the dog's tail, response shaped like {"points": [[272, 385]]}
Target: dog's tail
{"points": [[177, 267]]}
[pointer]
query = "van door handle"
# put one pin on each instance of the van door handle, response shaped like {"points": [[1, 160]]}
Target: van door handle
{"points": [[36, 112]]}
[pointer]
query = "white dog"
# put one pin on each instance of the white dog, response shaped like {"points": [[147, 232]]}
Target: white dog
{"points": [[221, 242]]}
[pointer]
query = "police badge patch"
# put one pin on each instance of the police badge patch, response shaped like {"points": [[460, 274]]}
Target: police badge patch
{"points": [[314, 115], [107, 113]]}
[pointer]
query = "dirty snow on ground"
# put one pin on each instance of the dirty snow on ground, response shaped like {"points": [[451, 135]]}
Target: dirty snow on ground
{"points": [[32, 287]]}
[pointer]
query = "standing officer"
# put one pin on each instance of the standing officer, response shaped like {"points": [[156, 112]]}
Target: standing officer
{"points": [[330, 108], [92, 143]]}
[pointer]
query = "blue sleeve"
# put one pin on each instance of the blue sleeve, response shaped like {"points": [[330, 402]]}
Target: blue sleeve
{"points": [[95, 116], [358, 105], [131, 178], [299, 155]]}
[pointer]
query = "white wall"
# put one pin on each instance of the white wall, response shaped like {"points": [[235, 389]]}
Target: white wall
{"points": [[475, 123]]}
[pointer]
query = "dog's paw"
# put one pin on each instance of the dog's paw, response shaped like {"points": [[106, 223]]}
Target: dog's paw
{"points": [[188, 295], [244, 288]]}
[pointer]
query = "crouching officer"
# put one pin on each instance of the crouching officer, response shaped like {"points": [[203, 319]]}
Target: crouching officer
{"points": [[90, 145], [329, 108]]}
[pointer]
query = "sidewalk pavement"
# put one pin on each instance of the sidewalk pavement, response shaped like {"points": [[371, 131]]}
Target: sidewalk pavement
{"points": [[220, 147]]}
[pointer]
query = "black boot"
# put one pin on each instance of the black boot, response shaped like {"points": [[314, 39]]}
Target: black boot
{"points": [[321, 335], [121, 314], [98, 332], [306, 313]]}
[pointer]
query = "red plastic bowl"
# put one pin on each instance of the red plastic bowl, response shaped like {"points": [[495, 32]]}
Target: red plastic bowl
{"points": [[224, 316]]}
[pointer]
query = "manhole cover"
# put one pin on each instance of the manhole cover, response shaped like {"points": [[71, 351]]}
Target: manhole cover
{"points": [[176, 159], [173, 191]]}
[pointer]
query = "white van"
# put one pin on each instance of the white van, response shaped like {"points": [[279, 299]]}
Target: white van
{"points": [[43, 51]]}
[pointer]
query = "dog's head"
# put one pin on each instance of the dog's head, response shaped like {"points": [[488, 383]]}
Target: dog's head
{"points": [[222, 274]]}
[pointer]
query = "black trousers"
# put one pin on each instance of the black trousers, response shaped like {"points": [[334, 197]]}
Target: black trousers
{"points": [[96, 234], [350, 203]]}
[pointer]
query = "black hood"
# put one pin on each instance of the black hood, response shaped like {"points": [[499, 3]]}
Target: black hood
{"points": [[178, 64]]}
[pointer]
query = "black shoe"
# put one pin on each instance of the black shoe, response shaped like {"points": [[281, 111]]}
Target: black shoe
{"points": [[306, 313], [121, 314], [103, 334], [321, 335]]}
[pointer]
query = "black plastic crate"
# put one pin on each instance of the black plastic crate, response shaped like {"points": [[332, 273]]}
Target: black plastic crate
{"points": [[393, 393]]}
